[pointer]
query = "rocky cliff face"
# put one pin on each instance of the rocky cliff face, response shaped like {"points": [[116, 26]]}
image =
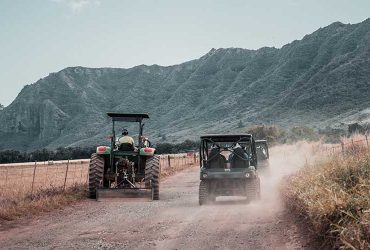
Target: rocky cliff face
{"points": [[320, 80]]}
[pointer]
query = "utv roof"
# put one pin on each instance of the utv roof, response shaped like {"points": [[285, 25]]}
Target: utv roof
{"points": [[227, 137], [127, 117]]}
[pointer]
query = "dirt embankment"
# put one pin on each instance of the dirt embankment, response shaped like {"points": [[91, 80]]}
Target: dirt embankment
{"points": [[176, 221]]}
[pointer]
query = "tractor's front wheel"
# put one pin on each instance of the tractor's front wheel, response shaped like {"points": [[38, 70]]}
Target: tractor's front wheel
{"points": [[96, 173], [152, 175]]}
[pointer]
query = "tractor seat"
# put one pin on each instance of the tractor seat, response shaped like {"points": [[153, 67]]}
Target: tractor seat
{"points": [[126, 147]]}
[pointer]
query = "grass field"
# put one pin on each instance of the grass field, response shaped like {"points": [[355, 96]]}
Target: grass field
{"points": [[333, 196]]}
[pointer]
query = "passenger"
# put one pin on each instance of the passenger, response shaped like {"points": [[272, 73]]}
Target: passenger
{"points": [[144, 142]]}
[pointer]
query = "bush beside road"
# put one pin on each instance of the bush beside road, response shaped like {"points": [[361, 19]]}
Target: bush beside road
{"points": [[333, 196]]}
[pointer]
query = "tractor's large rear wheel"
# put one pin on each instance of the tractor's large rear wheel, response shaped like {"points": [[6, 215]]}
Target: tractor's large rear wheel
{"points": [[96, 174], [152, 175]]}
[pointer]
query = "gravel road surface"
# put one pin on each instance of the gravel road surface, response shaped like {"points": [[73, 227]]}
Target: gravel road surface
{"points": [[174, 222]]}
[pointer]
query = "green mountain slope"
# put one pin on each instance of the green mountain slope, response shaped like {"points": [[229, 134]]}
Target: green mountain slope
{"points": [[320, 80]]}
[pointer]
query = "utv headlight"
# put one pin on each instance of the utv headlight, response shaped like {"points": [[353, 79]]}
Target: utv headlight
{"points": [[247, 175], [204, 175]]}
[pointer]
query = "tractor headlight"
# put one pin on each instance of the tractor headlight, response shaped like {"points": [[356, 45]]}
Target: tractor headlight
{"points": [[247, 175]]}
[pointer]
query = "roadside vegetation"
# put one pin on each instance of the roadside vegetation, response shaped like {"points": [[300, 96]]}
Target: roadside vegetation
{"points": [[272, 133], [279, 135], [17, 203], [75, 153], [27, 190], [333, 196]]}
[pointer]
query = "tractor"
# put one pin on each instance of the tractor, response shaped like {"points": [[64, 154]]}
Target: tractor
{"points": [[228, 167], [263, 154], [131, 170]]}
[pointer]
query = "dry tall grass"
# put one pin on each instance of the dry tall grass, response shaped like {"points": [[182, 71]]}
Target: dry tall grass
{"points": [[31, 188], [19, 204], [333, 194]]}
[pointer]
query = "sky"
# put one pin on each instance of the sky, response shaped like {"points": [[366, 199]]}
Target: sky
{"points": [[38, 37]]}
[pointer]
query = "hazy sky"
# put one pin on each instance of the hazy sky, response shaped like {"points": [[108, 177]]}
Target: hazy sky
{"points": [[42, 36]]}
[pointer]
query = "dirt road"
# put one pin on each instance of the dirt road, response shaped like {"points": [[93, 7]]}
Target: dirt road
{"points": [[174, 222]]}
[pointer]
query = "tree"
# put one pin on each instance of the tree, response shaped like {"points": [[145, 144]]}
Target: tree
{"points": [[1, 106], [271, 133], [355, 128]]}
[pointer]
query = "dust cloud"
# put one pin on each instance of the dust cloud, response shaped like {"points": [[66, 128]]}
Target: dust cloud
{"points": [[284, 161]]}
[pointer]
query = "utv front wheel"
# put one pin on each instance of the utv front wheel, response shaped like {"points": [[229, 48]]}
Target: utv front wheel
{"points": [[96, 172]]}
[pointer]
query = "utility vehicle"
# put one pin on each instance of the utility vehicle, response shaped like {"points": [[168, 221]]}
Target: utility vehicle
{"points": [[228, 167], [263, 154]]}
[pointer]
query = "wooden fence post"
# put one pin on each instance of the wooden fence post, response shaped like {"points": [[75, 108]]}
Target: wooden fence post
{"points": [[169, 161], [33, 178], [367, 142], [6, 176], [88, 174], [65, 178]]}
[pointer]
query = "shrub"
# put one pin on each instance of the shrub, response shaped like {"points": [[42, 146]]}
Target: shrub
{"points": [[273, 134]]}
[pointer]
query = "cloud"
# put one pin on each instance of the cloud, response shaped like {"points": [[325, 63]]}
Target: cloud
{"points": [[78, 5]]}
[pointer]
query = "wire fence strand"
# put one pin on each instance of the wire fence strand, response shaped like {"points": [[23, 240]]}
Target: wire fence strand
{"points": [[30, 177], [343, 148]]}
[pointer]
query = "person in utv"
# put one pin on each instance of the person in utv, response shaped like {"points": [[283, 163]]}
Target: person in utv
{"points": [[126, 142]]}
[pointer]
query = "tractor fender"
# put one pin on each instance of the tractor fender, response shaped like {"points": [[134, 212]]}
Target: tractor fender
{"points": [[103, 150], [147, 151]]}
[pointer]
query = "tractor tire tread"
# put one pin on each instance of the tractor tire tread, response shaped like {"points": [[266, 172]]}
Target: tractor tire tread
{"points": [[152, 175], [96, 174]]}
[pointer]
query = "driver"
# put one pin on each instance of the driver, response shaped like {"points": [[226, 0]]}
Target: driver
{"points": [[126, 142]]}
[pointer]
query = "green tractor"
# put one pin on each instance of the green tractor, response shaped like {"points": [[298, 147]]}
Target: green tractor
{"points": [[228, 167], [132, 170]]}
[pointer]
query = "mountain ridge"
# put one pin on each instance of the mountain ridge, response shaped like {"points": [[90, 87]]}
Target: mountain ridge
{"points": [[320, 80]]}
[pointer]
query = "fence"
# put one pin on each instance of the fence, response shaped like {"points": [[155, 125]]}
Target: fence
{"points": [[31, 177], [178, 160], [349, 144]]}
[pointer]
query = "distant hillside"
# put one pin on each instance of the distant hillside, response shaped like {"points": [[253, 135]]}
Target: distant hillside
{"points": [[323, 79]]}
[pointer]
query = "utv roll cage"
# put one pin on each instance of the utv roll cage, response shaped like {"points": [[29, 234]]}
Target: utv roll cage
{"points": [[234, 139]]}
